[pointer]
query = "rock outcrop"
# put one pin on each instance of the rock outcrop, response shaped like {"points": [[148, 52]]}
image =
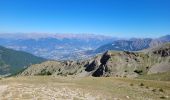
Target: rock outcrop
{"points": [[111, 63]]}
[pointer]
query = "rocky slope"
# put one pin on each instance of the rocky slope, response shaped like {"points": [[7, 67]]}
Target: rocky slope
{"points": [[111, 63]]}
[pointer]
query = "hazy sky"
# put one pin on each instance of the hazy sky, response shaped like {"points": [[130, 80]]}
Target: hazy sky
{"points": [[120, 18]]}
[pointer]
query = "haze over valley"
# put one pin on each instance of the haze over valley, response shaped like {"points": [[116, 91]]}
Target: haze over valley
{"points": [[74, 46], [55, 46]]}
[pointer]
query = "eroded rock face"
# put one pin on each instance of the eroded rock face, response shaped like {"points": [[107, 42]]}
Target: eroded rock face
{"points": [[100, 71], [91, 66], [106, 56], [103, 66], [163, 52]]}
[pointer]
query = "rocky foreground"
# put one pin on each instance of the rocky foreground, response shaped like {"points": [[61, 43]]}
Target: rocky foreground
{"points": [[44, 88], [90, 88]]}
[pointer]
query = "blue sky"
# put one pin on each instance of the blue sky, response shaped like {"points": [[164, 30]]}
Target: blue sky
{"points": [[119, 18]]}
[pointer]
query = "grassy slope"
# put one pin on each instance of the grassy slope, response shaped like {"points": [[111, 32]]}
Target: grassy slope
{"points": [[106, 87], [159, 76], [17, 60]]}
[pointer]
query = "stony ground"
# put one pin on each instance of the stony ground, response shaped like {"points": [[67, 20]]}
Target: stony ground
{"points": [[69, 88], [42, 92], [37, 89]]}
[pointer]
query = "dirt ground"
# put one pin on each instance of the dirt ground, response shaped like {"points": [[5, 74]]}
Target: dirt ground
{"points": [[60, 88]]}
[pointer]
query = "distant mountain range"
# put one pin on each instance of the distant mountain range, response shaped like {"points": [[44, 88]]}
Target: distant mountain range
{"points": [[12, 61], [54, 46], [134, 44], [74, 46]]}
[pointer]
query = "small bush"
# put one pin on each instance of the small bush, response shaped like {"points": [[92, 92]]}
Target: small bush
{"points": [[161, 90], [107, 75], [138, 72], [70, 73], [141, 84], [162, 97], [48, 73], [147, 68], [147, 87], [44, 72], [154, 90], [131, 84]]}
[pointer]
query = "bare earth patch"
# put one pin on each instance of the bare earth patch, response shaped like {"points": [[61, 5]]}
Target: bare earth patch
{"points": [[43, 92], [3, 88], [23, 90]]}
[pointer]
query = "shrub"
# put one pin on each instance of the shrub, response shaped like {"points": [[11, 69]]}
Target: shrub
{"points": [[163, 97], [147, 68], [70, 73], [107, 75], [44, 72], [141, 84], [154, 90], [161, 90], [48, 73], [131, 84], [138, 72], [147, 87]]}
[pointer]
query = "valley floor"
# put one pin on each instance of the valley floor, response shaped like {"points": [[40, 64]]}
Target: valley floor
{"points": [[90, 88]]}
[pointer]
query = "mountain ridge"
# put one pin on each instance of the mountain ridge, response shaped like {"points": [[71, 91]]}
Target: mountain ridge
{"points": [[111, 63], [134, 44]]}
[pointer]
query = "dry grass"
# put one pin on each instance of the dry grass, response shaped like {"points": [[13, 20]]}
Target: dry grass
{"points": [[90, 88], [165, 76]]}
